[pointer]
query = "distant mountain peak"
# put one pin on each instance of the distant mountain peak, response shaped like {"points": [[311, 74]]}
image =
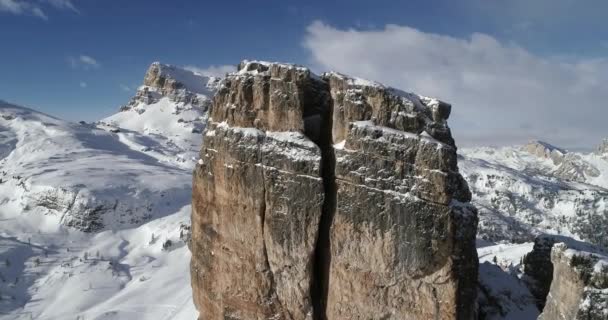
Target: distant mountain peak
{"points": [[170, 78], [546, 150], [178, 84]]}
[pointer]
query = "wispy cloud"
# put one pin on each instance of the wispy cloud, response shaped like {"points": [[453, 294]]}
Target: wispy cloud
{"points": [[18, 7], [35, 8], [501, 92], [83, 61], [63, 5], [83, 84], [125, 88], [212, 71]]}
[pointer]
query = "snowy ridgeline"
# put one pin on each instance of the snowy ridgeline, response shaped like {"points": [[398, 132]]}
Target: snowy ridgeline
{"points": [[523, 191]]}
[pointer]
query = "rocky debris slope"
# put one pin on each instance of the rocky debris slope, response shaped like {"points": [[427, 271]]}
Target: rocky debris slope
{"points": [[525, 191], [574, 279], [170, 111], [329, 197]]}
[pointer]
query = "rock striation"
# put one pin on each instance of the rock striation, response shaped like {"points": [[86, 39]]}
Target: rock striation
{"points": [[329, 197]]}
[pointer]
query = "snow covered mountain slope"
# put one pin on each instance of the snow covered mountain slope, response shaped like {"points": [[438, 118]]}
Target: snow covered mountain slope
{"points": [[167, 115], [95, 217], [81, 176], [526, 190]]}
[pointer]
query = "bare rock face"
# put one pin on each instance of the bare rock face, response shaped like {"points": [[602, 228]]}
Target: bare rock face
{"points": [[258, 197], [402, 244], [568, 278], [579, 289], [329, 198]]}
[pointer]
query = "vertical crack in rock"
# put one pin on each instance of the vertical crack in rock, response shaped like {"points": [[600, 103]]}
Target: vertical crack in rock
{"points": [[322, 255]]}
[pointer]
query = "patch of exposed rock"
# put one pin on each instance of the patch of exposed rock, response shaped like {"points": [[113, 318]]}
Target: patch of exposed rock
{"points": [[179, 85], [329, 198], [569, 278]]}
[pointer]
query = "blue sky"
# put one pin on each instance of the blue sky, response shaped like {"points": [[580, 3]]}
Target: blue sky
{"points": [[82, 59]]}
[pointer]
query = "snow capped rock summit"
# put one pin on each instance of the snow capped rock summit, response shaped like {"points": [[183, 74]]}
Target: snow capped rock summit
{"points": [[170, 111]]}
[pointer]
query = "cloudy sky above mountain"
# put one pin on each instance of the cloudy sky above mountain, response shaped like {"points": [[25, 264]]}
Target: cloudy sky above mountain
{"points": [[514, 70]]}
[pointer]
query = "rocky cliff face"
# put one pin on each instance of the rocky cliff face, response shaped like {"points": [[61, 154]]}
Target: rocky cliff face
{"points": [[568, 278], [329, 197], [579, 289]]}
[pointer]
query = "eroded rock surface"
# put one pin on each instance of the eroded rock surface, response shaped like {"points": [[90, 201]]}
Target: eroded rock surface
{"points": [[329, 198]]}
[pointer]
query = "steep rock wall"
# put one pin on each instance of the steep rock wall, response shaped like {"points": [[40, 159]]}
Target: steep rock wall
{"points": [[329, 198]]}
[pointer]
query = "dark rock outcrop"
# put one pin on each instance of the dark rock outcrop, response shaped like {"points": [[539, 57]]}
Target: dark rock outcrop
{"points": [[329, 198]]}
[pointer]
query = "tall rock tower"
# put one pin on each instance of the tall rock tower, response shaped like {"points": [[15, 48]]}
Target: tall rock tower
{"points": [[329, 197]]}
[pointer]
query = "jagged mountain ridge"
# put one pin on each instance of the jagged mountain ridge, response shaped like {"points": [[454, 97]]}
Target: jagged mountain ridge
{"points": [[523, 191]]}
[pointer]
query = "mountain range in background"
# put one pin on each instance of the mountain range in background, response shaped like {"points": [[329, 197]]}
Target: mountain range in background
{"points": [[96, 216]]}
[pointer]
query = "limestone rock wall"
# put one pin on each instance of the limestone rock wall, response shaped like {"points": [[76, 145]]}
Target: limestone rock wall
{"points": [[329, 198]]}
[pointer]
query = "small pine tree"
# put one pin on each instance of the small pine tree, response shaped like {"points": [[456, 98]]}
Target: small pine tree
{"points": [[495, 260], [7, 263], [86, 255]]}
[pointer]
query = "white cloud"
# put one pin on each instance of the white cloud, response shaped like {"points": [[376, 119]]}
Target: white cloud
{"points": [[84, 62], [501, 93], [83, 84], [125, 88], [19, 7], [34, 8], [212, 71]]}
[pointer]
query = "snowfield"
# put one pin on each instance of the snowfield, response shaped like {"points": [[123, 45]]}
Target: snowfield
{"points": [[60, 181]]}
